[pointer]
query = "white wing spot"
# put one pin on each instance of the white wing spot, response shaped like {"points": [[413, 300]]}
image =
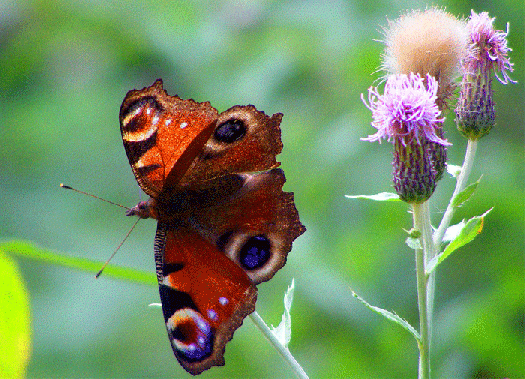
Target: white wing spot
{"points": [[212, 315], [223, 301], [167, 122], [183, 125]]}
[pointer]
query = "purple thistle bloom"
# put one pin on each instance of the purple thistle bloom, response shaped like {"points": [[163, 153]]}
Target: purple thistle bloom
{"points": [[406, 111], [488, 48], [488, 53], [407, 115]]}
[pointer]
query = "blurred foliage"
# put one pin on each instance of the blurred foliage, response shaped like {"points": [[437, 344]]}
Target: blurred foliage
{"points": [[65, 67], [15, 332]]}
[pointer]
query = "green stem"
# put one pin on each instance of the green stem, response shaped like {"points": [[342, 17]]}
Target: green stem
{"points": [[422, 223], [461, 183], [430, 252], [283, 350], [431, 248]]}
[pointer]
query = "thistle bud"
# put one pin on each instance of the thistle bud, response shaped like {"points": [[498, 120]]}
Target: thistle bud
{"points": [[488, 53], [439, 154], [413, 173], [407, 115]]}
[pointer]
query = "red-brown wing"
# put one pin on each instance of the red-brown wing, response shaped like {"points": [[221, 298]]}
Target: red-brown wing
{"points": [[163, 134], [255, 226], [244, 140], [204, 296]]}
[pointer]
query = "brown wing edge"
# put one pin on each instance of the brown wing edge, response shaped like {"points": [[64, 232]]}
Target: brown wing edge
{"points": [[255, 151]]}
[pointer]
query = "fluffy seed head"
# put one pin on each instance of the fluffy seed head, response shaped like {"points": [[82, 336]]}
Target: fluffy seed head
{"points": [[430, 42]]}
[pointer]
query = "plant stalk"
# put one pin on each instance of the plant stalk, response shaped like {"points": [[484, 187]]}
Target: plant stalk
{"points": [[430, 252], [283, 350], [461, 183], [422, 224]]}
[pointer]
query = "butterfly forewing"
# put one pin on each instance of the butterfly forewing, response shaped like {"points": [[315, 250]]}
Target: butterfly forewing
{"points": [[158, 130], [244, 140]]}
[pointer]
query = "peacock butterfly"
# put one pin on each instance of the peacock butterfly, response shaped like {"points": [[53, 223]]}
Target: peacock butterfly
{"points": [[224, 223]]}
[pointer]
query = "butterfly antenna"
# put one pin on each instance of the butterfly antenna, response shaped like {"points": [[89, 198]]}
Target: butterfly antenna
{"points": [[117, 249], [113, 203], [96, 197]]}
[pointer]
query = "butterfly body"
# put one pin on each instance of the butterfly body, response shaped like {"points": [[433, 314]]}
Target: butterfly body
{"points": [[224, 223]]}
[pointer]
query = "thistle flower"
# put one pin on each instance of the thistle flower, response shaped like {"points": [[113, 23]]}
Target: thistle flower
{"points": [[407, 115], [427, 42], [489, 48], [488, 54]]}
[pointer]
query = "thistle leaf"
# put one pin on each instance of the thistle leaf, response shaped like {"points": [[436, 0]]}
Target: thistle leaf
{"points": [[413, 243], [283, 332], [453, 231], [391, 316], [464, 195], [467, 233]]}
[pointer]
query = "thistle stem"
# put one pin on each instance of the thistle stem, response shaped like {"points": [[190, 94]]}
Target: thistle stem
{"points": [[430, 252], [461, 183], [422, 224], [283, 350]]}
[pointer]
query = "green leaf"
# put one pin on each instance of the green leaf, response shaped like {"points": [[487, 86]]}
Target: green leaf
{"points": [[464, 195], [453, 231], [28, 250], [392, 317], [383, 196], [468, 232], [15, 331], [283, 332]]}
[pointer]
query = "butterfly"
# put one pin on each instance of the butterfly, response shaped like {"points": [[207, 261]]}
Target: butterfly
{"points": [[224, 223]]}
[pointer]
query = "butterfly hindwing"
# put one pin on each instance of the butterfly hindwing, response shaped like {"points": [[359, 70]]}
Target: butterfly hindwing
{"points": [[255, 226], [204, 296]]}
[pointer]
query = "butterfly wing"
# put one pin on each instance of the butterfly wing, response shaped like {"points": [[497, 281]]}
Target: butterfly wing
{"points": [[172, 142], [204, 295], [255, 226], [234, 234], [244, 140], [163, 134]]}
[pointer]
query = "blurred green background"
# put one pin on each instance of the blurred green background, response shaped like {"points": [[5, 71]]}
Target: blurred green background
{"points": [[65, 67]]}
